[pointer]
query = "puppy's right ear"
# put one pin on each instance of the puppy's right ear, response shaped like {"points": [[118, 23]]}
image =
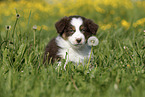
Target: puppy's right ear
{"points": [[60, 25]]}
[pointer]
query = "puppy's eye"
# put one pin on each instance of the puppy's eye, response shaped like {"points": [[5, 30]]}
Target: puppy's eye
{"points": [[71, 31], [83, 30]]}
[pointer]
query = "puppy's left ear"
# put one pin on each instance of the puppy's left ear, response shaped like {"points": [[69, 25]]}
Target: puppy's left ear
{"points": [[92, 27], [60, 25]]}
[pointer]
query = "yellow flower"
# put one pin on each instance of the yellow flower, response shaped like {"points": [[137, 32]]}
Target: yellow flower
{"points": [[125, 24], [139, 22]]}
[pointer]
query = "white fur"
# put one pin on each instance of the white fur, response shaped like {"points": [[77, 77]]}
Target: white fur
{"points": [[77, 55], [77, 22]]}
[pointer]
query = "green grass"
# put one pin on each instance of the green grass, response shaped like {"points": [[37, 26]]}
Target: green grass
{"points": [[118, 61]]}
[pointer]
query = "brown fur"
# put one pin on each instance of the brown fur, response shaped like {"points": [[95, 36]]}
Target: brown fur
{"points": [[50, 52]]}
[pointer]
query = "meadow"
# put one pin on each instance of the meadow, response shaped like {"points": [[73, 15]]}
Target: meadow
{"points": [[119, 59]]}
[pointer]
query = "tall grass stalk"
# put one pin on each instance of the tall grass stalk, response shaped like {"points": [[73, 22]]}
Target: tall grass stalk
{"points": [[34, 38], [13, 33], [7, 35], [90, 57]]}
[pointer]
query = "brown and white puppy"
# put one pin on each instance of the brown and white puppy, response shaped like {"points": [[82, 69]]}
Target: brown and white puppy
{"points": [[71, 43]]}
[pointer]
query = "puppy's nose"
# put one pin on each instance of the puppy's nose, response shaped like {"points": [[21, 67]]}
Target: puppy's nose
{"points": [[78, 40]]}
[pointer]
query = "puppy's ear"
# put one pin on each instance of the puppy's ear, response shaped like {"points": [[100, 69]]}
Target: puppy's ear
{"points": [[92, 27], [60, 25]]}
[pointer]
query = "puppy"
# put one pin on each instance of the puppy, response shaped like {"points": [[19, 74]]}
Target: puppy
{"points": [[71, 43]]}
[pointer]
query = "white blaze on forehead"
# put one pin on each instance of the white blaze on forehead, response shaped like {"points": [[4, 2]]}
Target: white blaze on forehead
{"points": [[76, 22]]}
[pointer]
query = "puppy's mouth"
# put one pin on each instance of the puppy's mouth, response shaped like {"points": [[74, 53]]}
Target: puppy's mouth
{"points": [[78, 44]]}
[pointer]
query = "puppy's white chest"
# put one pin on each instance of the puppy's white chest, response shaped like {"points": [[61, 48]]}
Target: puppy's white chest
{"points": [[77, 56]]}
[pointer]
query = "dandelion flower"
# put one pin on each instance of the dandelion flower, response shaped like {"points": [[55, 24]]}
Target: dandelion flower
{"points": [[34, 27], [17, 15], [8, 27], [93, 41]]}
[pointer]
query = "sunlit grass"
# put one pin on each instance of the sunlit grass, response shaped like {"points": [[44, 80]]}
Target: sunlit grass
{"points": [[118, 64]]}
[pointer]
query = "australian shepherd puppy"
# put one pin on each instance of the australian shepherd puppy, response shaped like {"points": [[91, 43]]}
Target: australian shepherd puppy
{"points": [[71, 43]]}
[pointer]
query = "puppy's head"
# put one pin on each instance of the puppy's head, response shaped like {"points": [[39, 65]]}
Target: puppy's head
{"points": [[76, 29]]}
